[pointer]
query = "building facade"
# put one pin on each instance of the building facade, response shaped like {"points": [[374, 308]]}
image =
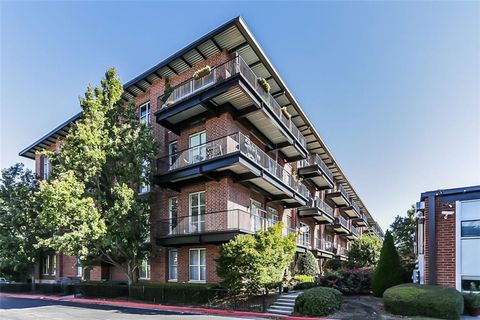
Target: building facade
{"points": [[448, 238], [237, 155]]}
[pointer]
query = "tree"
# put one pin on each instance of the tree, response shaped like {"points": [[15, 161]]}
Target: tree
{"points": [[403, 231], [255, 262], [364, 251], [307, 264], [388, 272], [91, 204], [19, 227]]}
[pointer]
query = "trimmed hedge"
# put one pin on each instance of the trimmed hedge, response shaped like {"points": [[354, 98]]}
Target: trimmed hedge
{"points": [[388, 272], [319, 301], [418, 300], [177, 293], [101, 289], [48, 288], [472, 303]]}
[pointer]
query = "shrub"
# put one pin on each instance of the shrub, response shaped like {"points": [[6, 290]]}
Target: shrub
{"points": [[472, 303], [307, 264], [333, 264], [388, 272], [304, 281], [202, 72], [319, 301], [48, 288], [103, 289], [349, 281], [176, 293], [15, 287], [418, 300]]}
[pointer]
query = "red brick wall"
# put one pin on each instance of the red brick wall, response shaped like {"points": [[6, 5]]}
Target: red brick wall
{"points": [[444, 246]]}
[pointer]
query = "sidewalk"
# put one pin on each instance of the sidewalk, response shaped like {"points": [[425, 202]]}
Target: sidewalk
{"points": [[148, 306]]}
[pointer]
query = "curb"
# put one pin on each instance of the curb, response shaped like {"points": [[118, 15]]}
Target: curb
{"points": [[147, 306]]}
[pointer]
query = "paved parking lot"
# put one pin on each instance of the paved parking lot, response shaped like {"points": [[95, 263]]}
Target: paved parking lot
{"points": [[37, 309]]}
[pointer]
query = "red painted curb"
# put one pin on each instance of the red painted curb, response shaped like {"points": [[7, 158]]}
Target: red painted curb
{"points": [[128, 304]]}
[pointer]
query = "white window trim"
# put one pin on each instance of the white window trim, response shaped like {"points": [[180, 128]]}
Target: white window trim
{"points": [[170, 215], [199, 265], [46, 168], [199, 206], [148, 274], [170, 279], [148, 114]]}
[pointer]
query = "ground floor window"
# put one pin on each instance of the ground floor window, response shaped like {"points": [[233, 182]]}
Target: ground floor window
{"points": [[49, 264], [79, 268], [197, 267], [172, 265], [144, 270]]}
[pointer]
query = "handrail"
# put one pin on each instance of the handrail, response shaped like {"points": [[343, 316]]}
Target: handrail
{"points": [[322, 205], [323, 244], [355, 206], [355, 230], [233, 143], [343, 191], [313, 159], [228, 220], [225, 71]]}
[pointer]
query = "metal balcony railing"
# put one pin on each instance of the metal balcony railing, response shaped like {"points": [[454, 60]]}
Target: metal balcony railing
{"points": [[303, 239], [343, 191], [230, 220], [355, 206], [341, 251], [342, 221], [222, 72], [320, 204], [236, 142], [314, 159], [324, 245], [355, 230]]}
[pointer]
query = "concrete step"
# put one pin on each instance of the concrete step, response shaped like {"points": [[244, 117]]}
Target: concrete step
{"points": [[277, 307], [287, 299], [287, 313], [284, 303]]}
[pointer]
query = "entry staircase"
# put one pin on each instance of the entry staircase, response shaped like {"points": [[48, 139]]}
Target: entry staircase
{"points": [[284, 303]]}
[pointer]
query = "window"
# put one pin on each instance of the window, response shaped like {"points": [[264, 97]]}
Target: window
{"points": [[145, 113], [172, 154], [305, 234], [197, 265], [197, 211], [144, 270], [197, 147], [173, 213], [79, 268], [256, 212], [144, 187], [172, 265], [272, 218], [46, 168], [49, 264], [471, 228]]}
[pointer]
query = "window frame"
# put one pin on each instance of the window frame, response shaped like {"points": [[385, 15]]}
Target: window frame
{"points": [[198, 266], [172, 154], [171, 265], [200, 223], [147, 117], [144, 266], [45, 168]]}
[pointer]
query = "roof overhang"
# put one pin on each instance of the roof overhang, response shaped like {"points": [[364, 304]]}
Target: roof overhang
{"points": [[233, 36]]}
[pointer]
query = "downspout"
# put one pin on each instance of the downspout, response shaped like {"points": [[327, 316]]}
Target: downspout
{"points": [[432, 255]]}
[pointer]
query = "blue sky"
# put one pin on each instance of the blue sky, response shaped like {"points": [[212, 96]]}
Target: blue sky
{"points": [[392, 87]]}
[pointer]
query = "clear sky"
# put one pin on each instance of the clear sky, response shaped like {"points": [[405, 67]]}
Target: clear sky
{"points": [[392, 87]]}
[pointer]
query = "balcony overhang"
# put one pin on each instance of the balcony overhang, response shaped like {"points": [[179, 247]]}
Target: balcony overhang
{"points": [[242, 169], [235, 95], [201, 238], [319, 215], [360, 221], [322, 253], [340, 229], [338, 198], [352, 236], [351, 211], [317, 176]]}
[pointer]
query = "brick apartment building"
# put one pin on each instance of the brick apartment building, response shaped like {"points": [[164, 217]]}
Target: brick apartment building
{"points": [[448, 238], [234, 159]]}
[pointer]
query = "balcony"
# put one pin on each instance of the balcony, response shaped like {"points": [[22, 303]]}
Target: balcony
{"points": [[318, 210], [341, 253], [339, 197], [375, 230], [340, 226], [304, 240], [354, 233], [232, 87], [212, 227], [352, 211], [315, 170], [360, 221], [237, 156], [324, 248]]}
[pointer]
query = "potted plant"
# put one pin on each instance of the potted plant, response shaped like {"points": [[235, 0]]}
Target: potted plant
{"points": [[202, 72], [472, 301], [286, 113], [264, 84]]}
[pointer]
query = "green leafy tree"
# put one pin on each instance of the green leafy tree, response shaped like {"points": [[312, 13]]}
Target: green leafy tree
{"points": [[403, 231], [388, 272], [364, 251], [307, 264], [91, 204], [256, 262], [19, 227]]}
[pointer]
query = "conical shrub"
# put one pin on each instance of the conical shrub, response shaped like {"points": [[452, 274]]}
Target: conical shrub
{"points": [[388, 272]]}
